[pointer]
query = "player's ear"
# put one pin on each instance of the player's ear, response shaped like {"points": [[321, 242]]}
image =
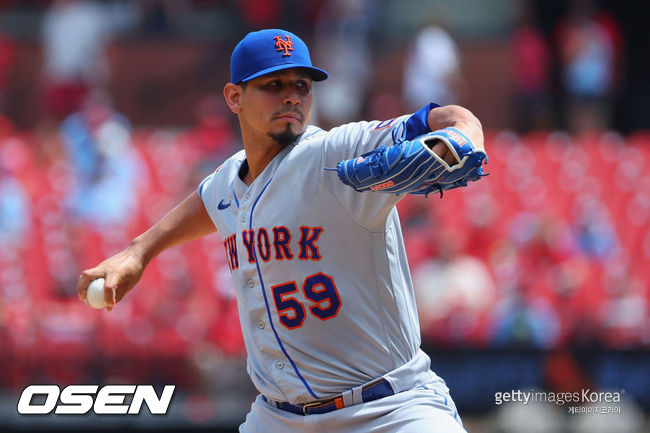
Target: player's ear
{"points": [[232, 94]]}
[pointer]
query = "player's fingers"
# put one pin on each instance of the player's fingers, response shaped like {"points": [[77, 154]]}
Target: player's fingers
{"points": [[113, 282], [109, 295], [116, 287], [123, 289], [443, 152], [116, 295]]}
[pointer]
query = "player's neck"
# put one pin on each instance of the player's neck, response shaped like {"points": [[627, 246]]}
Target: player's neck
{"points": [[258, 156]]}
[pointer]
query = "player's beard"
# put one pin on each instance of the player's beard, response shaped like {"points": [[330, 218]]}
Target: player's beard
{"points": [[285, 137]]}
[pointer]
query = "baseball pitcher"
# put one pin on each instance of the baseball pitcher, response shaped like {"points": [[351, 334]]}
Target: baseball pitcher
{"points": [[315, 248]]}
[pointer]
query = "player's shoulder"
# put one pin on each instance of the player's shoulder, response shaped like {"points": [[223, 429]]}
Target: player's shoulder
{"points": [[362, 126], [365, 135], [372, 126], [311, 134], [224, 172]]}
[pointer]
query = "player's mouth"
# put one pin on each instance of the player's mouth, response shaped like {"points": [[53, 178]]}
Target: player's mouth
{"points": [[290, 116]]}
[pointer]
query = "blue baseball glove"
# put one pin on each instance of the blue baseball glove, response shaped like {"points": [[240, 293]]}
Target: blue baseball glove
{"points": [[412, 167]]}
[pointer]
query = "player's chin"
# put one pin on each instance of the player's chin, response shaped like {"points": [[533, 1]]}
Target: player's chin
{"points": [[293, 127], [286, 135]]}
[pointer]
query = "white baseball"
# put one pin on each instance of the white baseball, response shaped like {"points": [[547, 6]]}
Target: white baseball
{"points": [[95, 294]]}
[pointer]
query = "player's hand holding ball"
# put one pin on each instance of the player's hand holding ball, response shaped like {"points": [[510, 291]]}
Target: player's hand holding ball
{"points": [[105, 285]]}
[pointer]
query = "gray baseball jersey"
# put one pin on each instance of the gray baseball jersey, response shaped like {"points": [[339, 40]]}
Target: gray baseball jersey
{"points": [[323, 286]]}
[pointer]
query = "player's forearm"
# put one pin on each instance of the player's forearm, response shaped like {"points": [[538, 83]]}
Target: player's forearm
{"points": [[187, 221], [457, 117]]}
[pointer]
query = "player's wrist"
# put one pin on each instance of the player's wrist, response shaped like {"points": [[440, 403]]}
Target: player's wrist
{"points": [[452, 116], [139, 250]]}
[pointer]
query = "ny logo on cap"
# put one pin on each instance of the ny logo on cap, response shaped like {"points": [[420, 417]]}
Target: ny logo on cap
{"points": [[284, 45]]}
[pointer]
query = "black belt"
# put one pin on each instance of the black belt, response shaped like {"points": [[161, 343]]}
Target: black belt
{"points": [[373, 391]]}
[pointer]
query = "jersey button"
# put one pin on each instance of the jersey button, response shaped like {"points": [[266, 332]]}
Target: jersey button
{"points": [[251, 283], [242, 218], [247, 196], [260, 324], [279, 364]]}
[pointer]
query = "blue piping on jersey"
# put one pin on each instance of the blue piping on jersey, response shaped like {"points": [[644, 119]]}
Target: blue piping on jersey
{"points": [[237, 201], [456, 417], [202, 184], [268, 310]]}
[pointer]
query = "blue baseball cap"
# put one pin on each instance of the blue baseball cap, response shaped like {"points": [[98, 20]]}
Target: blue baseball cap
{"points": [[270, 50]]}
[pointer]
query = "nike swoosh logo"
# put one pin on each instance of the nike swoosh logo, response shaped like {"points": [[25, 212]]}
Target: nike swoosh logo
{"points": [[223, 205]]}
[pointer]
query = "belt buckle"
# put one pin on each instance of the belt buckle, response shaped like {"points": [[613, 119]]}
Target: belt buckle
{"points": [[308, 405]]}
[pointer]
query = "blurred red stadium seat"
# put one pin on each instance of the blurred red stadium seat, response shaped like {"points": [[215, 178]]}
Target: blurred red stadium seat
{"points": [[544, 174]]}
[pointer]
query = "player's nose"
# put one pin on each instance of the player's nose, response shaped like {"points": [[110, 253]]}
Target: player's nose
{"points": [[291, 97]]}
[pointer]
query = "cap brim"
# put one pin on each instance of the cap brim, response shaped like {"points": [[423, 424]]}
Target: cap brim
{"points": [[317, 74]]}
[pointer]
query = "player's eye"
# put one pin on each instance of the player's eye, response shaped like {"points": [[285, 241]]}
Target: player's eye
{"points": [[303, 86], [273, 85]]}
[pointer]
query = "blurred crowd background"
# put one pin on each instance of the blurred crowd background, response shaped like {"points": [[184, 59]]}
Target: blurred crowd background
{"points": [[535, 277]]}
